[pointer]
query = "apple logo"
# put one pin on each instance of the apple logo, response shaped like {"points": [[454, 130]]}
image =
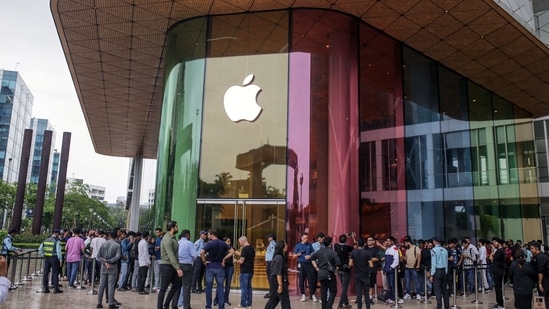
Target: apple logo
{"points": [[241, 101]]}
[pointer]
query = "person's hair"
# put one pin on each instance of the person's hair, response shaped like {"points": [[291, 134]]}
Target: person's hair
{"points": [[113, 234], [145, 234], [453, 241], [213, 232], [304, 234], [360, 242], [185, 233], [158, 229], [464, 241], [171, 225], [342, 238], [77, 230], [320, 235], [226, 238], [327, 241], [279, 247], [536, 245], [243, 238], [390, 237]]}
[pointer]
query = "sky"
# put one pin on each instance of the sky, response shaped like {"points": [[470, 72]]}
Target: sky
{"points": [[30, 45]]}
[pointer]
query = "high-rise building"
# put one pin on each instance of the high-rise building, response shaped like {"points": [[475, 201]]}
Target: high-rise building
{"points": [[38, 127], [55, 167], [15, 113]]}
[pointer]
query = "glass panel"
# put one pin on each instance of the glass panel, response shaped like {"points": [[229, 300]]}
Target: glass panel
{"points": [[420, 88], [326, 40], [458, 219], [243, 147], [425, 219]]}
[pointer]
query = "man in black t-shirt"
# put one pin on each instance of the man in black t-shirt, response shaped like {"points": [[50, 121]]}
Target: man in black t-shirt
{"points": [[246, 261], [344, 272], [362, 260], [375, 252], [542, 266]]}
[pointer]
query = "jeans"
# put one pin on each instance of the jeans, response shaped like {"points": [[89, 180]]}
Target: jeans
{"points": [[246, 289], [141, 276], [156, 274], [469, 277], [185, 296], [123, 275], [168, 275], [328, 291], [345, 278], [413, 275], [362, 284], [391, 279], [229, 271], [72, 270], [219, 274], [306, 272]]}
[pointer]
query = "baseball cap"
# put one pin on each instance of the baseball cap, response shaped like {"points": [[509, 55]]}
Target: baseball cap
{"points": [[202, 232], [437, 238]]}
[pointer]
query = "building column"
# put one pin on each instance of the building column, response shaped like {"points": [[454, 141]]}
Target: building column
{"points": [[136, 193]]}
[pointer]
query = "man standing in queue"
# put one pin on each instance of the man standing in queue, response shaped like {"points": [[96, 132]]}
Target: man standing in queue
{"points": [[108, 257], [50, 249], [170, 270], [498, 269], [439, 273], [218, 252]]}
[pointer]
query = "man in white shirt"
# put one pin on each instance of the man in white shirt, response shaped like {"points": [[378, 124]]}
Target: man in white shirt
{"points": [[95, 245], [483, 264], [144, 262]]}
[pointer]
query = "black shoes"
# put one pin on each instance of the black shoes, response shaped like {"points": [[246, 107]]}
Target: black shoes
{"points": [[99, 306], [267, 295], [113, 307], [215, 302], [58, 291], [195, 291], [42, 291], [143, 293]]}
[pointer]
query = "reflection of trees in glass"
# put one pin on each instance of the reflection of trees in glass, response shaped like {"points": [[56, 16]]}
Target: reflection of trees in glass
{"points": [[488, 225], [224, 186]]}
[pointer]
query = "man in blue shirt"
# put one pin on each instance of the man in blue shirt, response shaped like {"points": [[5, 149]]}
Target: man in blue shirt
{"points": [[303, 251], [198, 268], [217, 253], [271, 238], [439, 271], [156, 262], [187, 256]]}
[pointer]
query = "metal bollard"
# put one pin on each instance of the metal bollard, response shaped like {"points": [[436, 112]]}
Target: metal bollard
{"points": [[28, 277], [463, 281], [37, 271], [80, 287], [92, 291], [425, 300], [476, 300], [454, 306], [20, 282], [13, 261], [396, 304]]}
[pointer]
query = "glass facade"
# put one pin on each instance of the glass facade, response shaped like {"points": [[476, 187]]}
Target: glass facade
{"points": [[357, 132]]}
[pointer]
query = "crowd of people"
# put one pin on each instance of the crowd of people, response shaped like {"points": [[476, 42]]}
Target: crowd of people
{"points": [[170, 264]]}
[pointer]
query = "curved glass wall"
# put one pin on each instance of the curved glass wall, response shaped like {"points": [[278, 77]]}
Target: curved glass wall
{"points": [[309, 120]]}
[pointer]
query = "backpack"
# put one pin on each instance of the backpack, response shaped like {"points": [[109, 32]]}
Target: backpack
{"points": [[384, 295], [134, 253]]}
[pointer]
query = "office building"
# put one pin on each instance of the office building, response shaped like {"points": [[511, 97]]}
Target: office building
{"points": [[16, 102], [38, 126]]}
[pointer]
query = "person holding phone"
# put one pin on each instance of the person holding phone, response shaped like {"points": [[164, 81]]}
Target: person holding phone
{"points": [[303, 251]]}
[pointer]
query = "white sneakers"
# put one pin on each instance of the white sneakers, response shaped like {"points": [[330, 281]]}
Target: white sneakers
{"points": [[407, 296], [303, 298], [418, 297], [314, 299]]}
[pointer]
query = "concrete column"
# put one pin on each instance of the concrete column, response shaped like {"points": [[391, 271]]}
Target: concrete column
{"points": [[136, 194]]}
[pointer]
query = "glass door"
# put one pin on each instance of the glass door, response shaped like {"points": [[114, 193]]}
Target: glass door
{"points": [[254, 219]]}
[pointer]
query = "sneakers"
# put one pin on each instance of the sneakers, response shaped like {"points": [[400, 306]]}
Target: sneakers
{"points": [[389, 302], [303, 298], [418, 297], [401, 301], [407, 296], [315, 299]]}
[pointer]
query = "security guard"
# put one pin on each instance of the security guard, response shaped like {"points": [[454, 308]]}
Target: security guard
{"points": [[439, 273], [50, 249]]}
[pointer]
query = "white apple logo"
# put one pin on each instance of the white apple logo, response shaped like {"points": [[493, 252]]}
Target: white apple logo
{"points": [[241, 101]]}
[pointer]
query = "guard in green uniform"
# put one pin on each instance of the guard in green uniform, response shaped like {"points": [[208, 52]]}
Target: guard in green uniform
{"points": [[50, 249]]}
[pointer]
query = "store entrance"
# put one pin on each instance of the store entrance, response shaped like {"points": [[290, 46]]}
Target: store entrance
{"points": [[254, 219]]}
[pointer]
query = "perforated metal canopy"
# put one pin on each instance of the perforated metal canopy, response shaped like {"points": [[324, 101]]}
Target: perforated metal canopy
{"points": [[115, 50]]}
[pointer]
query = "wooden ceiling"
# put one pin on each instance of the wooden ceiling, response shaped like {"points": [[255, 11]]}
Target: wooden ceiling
{"points": [[115, 50]]}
